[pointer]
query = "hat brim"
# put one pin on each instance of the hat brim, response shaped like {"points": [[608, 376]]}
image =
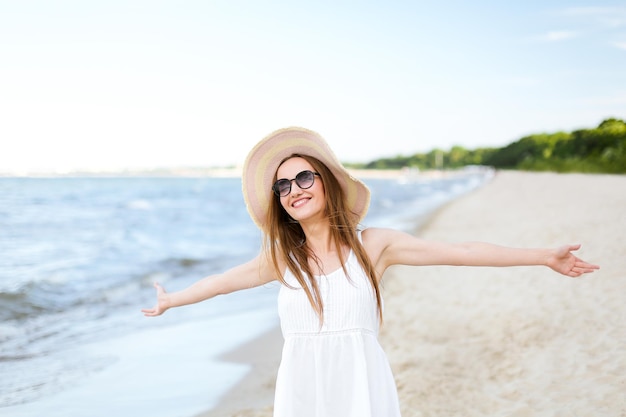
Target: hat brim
{"points": [[263, 162]]}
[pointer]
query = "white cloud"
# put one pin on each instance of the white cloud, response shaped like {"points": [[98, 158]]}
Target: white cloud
{"points": [[590, 11], [620, 45], [613, 17]]}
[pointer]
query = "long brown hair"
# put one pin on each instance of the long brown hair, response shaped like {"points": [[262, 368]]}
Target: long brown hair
{"points": [[285, 239]]}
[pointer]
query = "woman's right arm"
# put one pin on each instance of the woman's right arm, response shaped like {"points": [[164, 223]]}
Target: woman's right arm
{"points": [[251, 274]]}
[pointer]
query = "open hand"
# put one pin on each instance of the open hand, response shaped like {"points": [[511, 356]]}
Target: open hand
{"points": [[563, 261], [161, 305]]}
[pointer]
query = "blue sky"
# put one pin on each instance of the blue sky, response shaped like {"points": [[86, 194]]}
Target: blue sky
{"points": [[140, 84]]}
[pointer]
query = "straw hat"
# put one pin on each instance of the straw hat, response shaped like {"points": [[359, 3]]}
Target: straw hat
{"points": [[263, 161]]}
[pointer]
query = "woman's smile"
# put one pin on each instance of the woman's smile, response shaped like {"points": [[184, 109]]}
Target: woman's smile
{"points": [[300, 202]]}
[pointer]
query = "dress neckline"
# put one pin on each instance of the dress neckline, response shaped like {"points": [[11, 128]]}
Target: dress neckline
{"points": [[340, 268]]}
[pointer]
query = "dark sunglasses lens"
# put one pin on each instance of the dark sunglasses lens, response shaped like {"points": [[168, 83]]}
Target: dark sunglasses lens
{"points": [[282, 187], [305, 179]]}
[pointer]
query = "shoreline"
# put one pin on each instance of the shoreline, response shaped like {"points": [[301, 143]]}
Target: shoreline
{"points": [[255, 391], [517, 341]]}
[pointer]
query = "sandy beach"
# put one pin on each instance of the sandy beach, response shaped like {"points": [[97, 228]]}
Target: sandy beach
{"points": [[515, 342]]}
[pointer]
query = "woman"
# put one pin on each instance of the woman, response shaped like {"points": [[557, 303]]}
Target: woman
{"points": [[330, 304]]}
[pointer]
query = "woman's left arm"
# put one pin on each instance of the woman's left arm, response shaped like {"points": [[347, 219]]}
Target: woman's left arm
{"points": [[391, 247]]}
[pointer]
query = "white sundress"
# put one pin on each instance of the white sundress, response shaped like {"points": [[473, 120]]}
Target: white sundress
{"points": [[340, 369]]}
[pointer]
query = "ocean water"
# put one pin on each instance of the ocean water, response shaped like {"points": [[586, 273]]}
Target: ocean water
{"points": [[78, 257]]}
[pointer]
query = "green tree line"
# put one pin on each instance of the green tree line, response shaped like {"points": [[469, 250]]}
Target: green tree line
{"points": [[597, 150]]}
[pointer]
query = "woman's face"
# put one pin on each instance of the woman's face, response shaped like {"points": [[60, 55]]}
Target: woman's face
{"points": [[302, 204]]}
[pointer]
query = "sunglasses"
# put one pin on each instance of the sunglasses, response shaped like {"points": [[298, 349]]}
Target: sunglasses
{"points": [[304, 180]]}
